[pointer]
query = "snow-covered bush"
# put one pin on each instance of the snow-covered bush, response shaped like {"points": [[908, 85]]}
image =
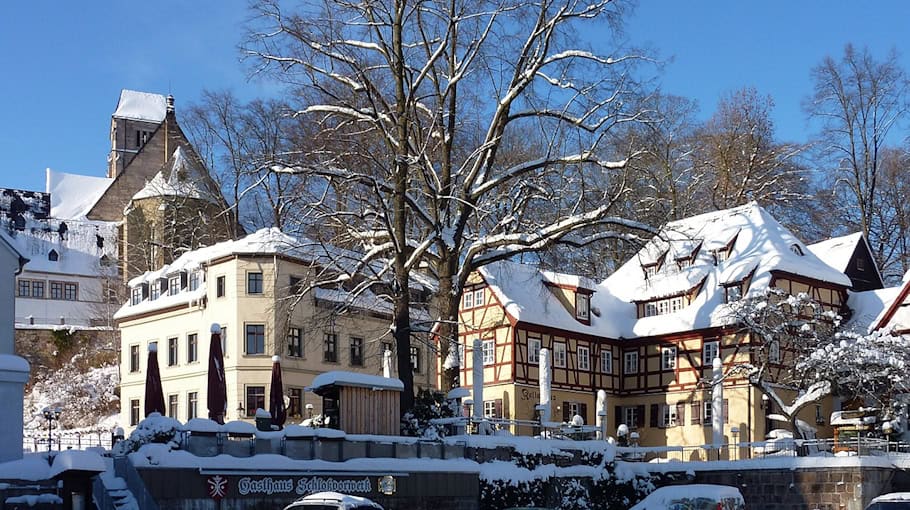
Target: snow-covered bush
{"points": [[154, 429], [499, 494], [428, 405]]}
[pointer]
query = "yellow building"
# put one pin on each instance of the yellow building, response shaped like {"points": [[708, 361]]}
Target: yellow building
{"points": [[646, 335], [252, 288]]}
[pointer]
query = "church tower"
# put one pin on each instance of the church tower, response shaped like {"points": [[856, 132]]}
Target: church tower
{"points": [[137, 116]]}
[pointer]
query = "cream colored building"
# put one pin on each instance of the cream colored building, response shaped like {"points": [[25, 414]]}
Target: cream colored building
{"points": [[250, 287]]}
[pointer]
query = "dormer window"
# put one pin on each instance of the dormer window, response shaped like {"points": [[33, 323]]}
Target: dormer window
{"points": [[194, 280], [721, 255], [650, 270], [155, 291], [136, 295], [173, 285], [684, 263], [733, 293], [796, 249], [53, 256], [582, 306]]}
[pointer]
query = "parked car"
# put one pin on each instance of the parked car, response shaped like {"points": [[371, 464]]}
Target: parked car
{"points": [[892, 501], [332, 501], [693, 497]]}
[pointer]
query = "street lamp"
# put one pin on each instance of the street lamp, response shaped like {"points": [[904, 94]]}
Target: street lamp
{"points": [[735, 431], [51, 414], [239, 410]]}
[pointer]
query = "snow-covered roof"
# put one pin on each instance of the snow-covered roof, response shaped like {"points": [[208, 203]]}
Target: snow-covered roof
{"points": [[74, 195], [180, 177], [759, 245], [342, 378], [869, 306], [78, 249], [143, 106], [77, 460], [837, 251]]}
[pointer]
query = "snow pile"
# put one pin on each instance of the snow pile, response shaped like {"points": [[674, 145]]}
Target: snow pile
{"points": [[87, 398], [77, 460]]}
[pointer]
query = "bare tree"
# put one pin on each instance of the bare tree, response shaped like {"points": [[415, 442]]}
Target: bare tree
{"points": [[425, 97], [858, 100]]}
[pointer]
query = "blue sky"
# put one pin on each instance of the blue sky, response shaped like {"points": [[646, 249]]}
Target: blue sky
{"points": [[64, 63]]}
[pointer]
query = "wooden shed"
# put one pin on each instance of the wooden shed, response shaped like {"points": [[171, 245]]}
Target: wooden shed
{"points": [[360, 403]]}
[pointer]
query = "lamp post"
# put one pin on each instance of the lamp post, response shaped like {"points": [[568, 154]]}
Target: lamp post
{"points": [[51, 414], [240, 410], [735, 431]]}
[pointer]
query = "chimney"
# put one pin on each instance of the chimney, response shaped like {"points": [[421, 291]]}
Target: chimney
{"points": [[170, 103]]}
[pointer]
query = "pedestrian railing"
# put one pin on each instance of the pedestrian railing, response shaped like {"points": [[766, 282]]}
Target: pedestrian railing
{"points": [[65, 441]]}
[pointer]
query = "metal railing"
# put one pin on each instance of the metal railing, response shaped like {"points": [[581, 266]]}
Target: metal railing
{"points": [[38, 442], [784, 447]]}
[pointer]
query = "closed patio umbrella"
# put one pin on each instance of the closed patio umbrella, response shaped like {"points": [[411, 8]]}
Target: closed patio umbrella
{"points": [[216, 396], [154, 395], [276, 395]]}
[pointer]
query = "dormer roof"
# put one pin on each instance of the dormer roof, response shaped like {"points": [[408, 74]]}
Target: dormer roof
{"points": [[180, 176]]}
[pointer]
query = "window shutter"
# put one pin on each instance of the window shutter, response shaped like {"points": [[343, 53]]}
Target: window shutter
{"points": [[681, 414], [696, 412], [497, 408], [584, 412], [617, 414], [655, 412], [726, 411], [565, 412], [182, 279], [641, 416]]}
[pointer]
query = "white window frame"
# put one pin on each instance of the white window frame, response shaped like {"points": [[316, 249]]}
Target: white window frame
{"points": [[774, 351], [733, 293], [582, 306], [630, 362], [606, 361], [559, 354], [584, 358], [478, 297], [709, 351], [467, 300], [489, 409], [630, 416], [650, 309], [651, 270], [668, 358], [668, 415], [706, 412], [489, 352], [534, 345]]}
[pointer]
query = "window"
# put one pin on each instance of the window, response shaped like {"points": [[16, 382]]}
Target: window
{"points": [[254, 283], [415, 359], [684, 263], [295, 285], [25, 288], [796, 249], [664, 306], [478, 297], [630, 362], [255, 339], [192, 405], [733, 293], [172, 353], [134, 358], [492, 408], [650, 270], [668, 358], [606, 361], [533, 350], [142, 137], [630, 416], [559, 354], [37, 289], [53, 256], [224, 342], [192, 348], [173, 285], [707, 413], [860, 264], [295, 343], [134, 412], [255, 399], [582, 306], [721, 255], [489, 355], [357, 352], [330, 348], [154, 290], [194, 280], [468, 299], [668, 415], [650, 309], [295, 397], [709, 352], [56, 290], [387, 346], [774, 352], [219, 286], [136, 293], [172, 406], [584, 358]]}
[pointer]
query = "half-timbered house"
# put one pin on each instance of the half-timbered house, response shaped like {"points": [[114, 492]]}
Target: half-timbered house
{"points": [[646, 335]]}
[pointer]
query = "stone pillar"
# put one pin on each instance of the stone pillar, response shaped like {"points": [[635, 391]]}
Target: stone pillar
{"points": [[13, 376]]}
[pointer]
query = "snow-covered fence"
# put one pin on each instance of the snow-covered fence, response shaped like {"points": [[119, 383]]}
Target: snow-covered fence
{"points": [[784, 447], [37, 442]]}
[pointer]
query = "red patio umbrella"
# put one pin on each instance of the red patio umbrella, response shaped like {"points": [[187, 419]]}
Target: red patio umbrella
{"points": [[154, 395], [276, 395], [217, 390]]}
